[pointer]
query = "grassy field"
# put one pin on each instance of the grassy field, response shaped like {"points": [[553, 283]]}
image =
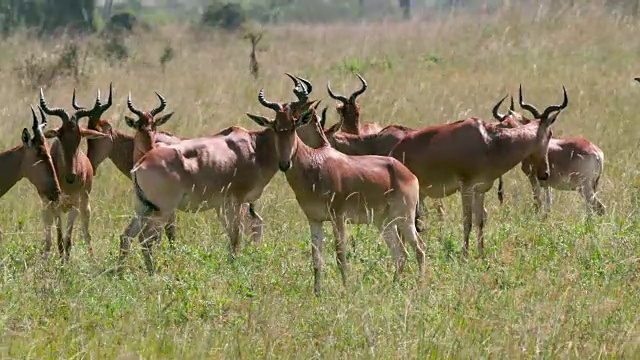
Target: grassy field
{"points": [[564, 287]]}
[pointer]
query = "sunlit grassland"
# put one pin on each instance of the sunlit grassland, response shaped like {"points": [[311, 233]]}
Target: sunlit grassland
{"points": [[566, 286]]}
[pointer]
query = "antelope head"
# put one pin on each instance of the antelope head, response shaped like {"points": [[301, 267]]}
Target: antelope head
{"points": [[348, 108], [98, 149], [146, 125], [37, 165], [301, 88], [544, 121], [69, 134], [284, 125]]}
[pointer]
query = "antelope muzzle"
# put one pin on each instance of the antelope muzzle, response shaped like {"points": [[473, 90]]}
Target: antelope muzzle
{"points": [[284, 165]]}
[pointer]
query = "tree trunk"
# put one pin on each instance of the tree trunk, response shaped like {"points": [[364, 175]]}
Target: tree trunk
{"points": [[406, 8]]}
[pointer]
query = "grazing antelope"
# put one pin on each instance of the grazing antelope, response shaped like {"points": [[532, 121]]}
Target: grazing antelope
{"points": [[575, 164], [332, 186], [469, 155], [349, 111], [32, 160], [220, 172], [74, 173]]}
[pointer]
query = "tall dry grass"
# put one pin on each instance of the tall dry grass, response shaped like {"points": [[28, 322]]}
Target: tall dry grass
{"points": [[564, 287]]}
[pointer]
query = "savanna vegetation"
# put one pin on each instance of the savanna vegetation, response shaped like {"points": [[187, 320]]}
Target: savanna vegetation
{"points": [[565, 286]]}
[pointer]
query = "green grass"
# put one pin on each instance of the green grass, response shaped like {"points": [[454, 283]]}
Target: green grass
{"points": [[563, 287]]}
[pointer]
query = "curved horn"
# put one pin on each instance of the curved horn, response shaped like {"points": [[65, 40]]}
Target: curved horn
{"points": [[74, 102], [637, 79], [362, 89], [163, 104], [43, 123], [306, 83], [105, 107], [554, 108], [271, 105], [132, 108], [530, 108], [496, 113], [61, 113], [340, 98], [35, 126], [512, 106], [296, 82], [323, 117]]}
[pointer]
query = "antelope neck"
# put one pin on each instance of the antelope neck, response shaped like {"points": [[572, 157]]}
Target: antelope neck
{"points": [[12, 161]]}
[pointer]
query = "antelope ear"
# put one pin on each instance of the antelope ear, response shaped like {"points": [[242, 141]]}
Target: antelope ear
{"points": [[51, 133], [260, 120], [131, 122], [25, 136], [163, 119], [91, 134], [323, 117], [305, 118]]}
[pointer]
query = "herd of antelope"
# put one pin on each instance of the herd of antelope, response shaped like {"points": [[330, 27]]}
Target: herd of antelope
{"points": [[352, 171]]}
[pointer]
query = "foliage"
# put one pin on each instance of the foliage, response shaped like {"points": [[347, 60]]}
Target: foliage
{"points": [[228, 16], [48, 16], [43, 70]]}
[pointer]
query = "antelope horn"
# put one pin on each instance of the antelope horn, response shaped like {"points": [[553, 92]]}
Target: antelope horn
{"points": [[299, 89], [496, 108], [340, 98], [163, 104], [362, 89], [307, 84], [43, 123], [512, 106], [271, 105], [35, 124], [530, 108], [74, 103], [132, 108], [554, 108], [61, 113]]}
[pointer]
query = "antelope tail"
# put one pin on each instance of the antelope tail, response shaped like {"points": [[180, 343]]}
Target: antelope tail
{"points": [[418, 215], [148, 205], [252, 210], [500, 190]]}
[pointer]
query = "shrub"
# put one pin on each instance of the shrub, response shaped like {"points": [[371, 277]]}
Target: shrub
{"points": [[228, 16]]}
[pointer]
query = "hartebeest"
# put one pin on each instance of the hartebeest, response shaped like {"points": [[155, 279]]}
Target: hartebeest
{"points": [[469, 155], [332, 186], [349, 111], [74, 173], [575, 164], [32, 160], [219, 172]]}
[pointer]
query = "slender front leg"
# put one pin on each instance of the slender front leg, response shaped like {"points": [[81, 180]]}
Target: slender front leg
{"points": [[396, 247], [48, 215], [466, 193], [150, 236], [341, 246], [440, 208], [256, 225], [317, 239], [231, 223], [548, 199], [170, 230], [480, 217], [59, 235], [85, 218], [537, 196], [133, 229], [71, 218]]}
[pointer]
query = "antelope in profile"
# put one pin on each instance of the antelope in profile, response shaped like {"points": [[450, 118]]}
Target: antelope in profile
{"points": [[469, 155], [575, 164], [32, 160], [349, 111], [332, 186], [74, 173], [220, 172]]}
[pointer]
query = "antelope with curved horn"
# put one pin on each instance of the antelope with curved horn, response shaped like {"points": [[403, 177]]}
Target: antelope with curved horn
{"points": [[74, 172], [332, 186], [469, 155], [575, 164], [32, 160], [349, 111], [220, 172]]}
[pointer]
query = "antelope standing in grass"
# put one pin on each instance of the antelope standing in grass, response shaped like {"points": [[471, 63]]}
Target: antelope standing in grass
{"points": [[32, 160], [119, 148], [220, 172], [332, 186], [349, 111], [469, 155], [575, 164], [74, 173]]}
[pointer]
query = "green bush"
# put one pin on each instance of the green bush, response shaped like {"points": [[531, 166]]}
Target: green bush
{"points": [[228, 16]]}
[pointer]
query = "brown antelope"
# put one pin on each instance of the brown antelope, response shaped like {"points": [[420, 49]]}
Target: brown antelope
{"points": [[575, 164], [32, 160], [119, 148], [349, 111], [332, 186], [74, 173], [220, 172], [469, 155]]}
